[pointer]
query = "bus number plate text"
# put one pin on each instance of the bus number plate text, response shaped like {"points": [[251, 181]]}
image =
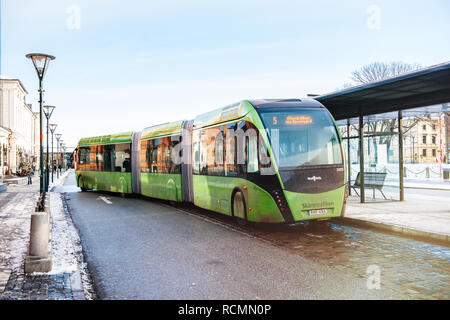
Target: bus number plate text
{"points": [[317, 212]]}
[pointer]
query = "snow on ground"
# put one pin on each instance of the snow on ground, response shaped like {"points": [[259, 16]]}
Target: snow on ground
{"points": [[15, 228], [413, 171], [16, 207], [64, 259]]}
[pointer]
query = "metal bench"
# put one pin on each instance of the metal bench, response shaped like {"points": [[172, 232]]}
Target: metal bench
{"points": [[372, 180]]}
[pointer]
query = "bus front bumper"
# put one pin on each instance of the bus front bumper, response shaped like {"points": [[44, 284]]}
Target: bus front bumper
{"points": [[315, 206]]}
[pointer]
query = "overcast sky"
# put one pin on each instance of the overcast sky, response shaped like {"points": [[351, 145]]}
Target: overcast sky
{"points": [[125, 65]]}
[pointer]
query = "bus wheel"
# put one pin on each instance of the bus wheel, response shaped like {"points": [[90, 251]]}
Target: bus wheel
{"points": [[239, 209], [81, 184], [122, 190]]}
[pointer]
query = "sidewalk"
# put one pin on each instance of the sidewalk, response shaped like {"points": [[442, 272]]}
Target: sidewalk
{"points": [[423, 216], [431, 184], [67, 277]]}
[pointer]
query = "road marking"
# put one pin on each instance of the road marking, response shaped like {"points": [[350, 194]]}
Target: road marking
{"points": [[105, 199]]}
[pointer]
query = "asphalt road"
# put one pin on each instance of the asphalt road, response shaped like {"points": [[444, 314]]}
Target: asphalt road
{"points": [[142, 249]]}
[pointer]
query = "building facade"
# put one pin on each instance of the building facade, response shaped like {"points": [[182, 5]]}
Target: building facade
{"points": [[19, 139], [447, 134], [426, 140]]}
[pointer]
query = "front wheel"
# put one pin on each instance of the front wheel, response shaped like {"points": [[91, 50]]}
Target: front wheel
{"points": [[240, 209], [81, 184]]}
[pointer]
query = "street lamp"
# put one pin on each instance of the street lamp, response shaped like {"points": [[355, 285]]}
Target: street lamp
{"points": [[58, 137], [65, 160], [40, 62], [52, 129], [48, 110], [61, 147]]}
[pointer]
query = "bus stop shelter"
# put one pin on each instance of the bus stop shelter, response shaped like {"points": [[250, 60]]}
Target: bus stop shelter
{"points": [[424, 87]]}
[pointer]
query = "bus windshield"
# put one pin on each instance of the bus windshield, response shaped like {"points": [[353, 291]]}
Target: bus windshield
{"points": [[302, 137]]}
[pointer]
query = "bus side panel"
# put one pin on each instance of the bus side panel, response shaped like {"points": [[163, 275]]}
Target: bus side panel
{"points": [[77, 174], [162, 186], [264, 208], [107, 181], [300, 203], [215, 193]]}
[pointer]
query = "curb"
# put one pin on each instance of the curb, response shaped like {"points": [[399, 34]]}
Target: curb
{"points": [[77, 286], [4, 277], [62, 178], [397, 229], [421, 187]]}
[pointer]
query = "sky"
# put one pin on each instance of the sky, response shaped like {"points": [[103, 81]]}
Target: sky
{"points": [[126, 65]]}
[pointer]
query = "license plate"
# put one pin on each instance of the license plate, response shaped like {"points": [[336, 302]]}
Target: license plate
{"points": [[317, 212]]}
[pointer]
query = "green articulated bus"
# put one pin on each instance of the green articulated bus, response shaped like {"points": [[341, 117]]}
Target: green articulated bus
{"points": [[257, 160]]}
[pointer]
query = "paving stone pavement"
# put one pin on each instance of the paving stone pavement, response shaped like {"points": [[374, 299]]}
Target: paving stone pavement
{"points": [[16, 206], [418, 269], [40, 287]]}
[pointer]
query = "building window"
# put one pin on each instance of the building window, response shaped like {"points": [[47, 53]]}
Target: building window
{"points": [[433, 139], [434, 152], [424, 139], [424, 152], [434, 127], [424, 127]]}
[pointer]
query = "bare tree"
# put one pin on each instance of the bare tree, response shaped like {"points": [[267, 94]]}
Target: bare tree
{"points": [[382, 70], [382, 130]]}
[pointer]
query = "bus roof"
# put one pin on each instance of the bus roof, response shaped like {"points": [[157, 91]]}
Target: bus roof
{"points": [[124, 137], [240, 109], [224, 114], [285, 103], [165, 129]]}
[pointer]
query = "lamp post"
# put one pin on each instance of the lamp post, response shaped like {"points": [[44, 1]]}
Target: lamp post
{"points": [[61, 147], [40, 62], [48, 110], [52, 129], [58, 137], [65, 160]]}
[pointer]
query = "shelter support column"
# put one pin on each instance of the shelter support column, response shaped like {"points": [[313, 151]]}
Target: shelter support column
{"points": [[361, 157], [349, 169], [400, 154]]}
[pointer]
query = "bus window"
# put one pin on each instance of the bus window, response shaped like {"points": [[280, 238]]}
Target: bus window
{"points": [[154, 156], [174, 167], [212, 151], [252, 154], [107, 157], [305, 137], [99, 158], [83, 158], [145, 155], [122, 157], [231, 168], [196, 151], [218, 153]]}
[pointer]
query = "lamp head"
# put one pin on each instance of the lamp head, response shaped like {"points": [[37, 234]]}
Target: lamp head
{"points": [[48, 110], [40, 62], [52, 127]]}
